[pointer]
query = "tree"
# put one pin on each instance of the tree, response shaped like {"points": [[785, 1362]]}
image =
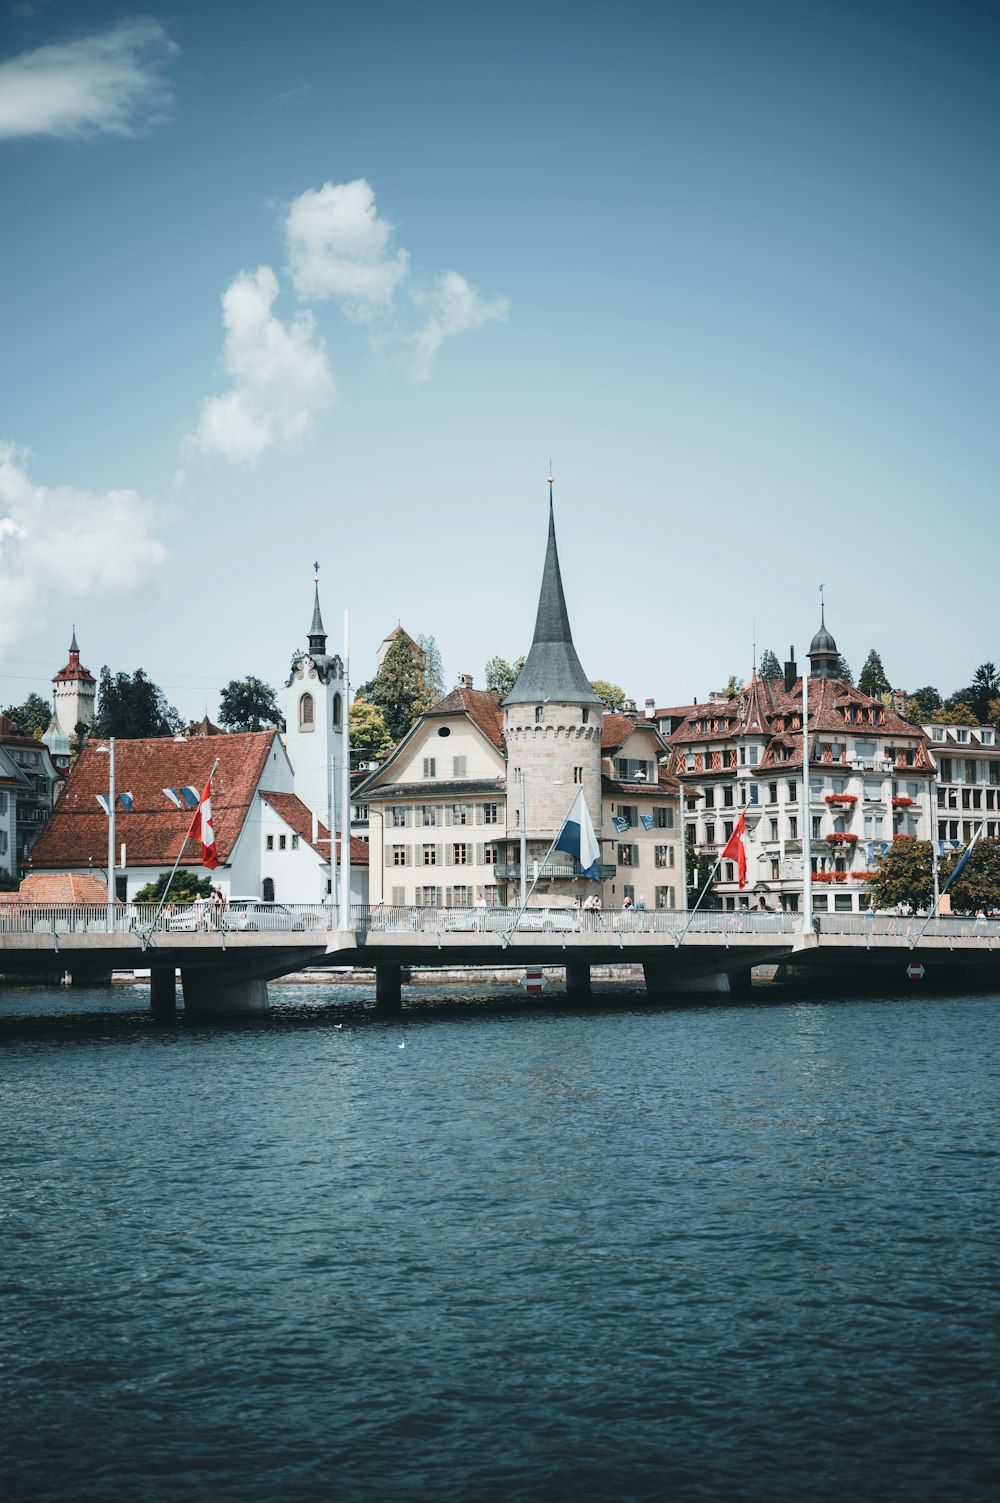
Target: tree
{"points": [[978, 885], [613, 695], [370, 739], [873, 681], [733, 686], [769, 665], [32, 717], [433, 668], [700, 877], [399, 689], [247, 704], [954, 714], [131, 706], [844, 670], [905, 874], [921, 704], [985, 686], [501, 676], [184, 888], [993, 712], [8, 883]]}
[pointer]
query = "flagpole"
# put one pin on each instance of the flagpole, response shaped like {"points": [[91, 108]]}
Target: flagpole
{"points": [[807, 881], [505, 940], [711, 875], [112, 795], [960, 863], [187, 836], [345, 801]]}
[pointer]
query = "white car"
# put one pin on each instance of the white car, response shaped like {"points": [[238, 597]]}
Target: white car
{"points": [[197, 917], [256, 914], [548, 919]]}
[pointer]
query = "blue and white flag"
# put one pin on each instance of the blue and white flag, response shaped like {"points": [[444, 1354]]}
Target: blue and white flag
{"points": [[960, 865], [944, 846], [183, 798], [104, 801], [648, 821], [578, 840], [620, 823], [125, 799]]}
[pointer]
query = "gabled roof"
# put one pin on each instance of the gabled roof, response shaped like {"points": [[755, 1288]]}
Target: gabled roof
{"points": [[298, 818], [153, 830], [552, 670], [617, 728], [482, 707], [58, 887]]}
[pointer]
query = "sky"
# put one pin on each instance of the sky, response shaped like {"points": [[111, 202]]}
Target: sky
{"points": [[311, 282]]}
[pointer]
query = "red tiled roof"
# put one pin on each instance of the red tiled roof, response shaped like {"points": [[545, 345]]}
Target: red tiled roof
{"points": [[482, 707], [616, 729], [298, 817], [152, 832], [12, 735], [58, 887]]}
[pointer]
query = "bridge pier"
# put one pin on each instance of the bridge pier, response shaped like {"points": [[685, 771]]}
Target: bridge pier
{"points": [[665, 980], [578, 978], [388, 988], [87, 976], [209, 991], [163, 992]]}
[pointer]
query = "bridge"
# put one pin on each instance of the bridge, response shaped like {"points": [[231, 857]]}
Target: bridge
{"points": [[226, 961]]}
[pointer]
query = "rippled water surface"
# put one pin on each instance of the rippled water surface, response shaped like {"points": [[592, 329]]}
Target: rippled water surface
{"points": [[615, 1253]]}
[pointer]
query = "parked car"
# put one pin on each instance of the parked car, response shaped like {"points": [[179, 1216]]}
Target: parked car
{"points": [[253, 914], [551, 918], [196, 917]]}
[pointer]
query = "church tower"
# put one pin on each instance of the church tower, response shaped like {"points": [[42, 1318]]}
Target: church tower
{"points": [[824, 659], [314, 709], [74, 692], [552, 724]]}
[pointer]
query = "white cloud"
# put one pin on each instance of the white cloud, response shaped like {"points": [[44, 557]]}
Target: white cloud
{"points": [[107, 82], [339, 247], [66, 543], [280, 376], [452, 306]]}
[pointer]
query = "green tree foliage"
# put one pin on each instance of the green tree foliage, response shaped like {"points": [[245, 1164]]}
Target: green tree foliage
{"points": [[905, 874], [501, 676], [131, 706], [769, 665], [184, 888], [247, 704], [613, 695], [700, 877], [399, 689], [922, 703], [733, 686], [978, 886], [370, 738], [873, 679], [985, 687], [8, 883], [32, 717], [433, 668], [993, 712], [844, 670], [955, 713]]}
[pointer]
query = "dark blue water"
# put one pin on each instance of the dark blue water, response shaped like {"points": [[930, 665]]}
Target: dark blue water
{"points": [[617, 1253]]}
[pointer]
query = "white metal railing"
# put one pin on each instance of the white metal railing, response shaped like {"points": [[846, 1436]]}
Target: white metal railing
{"points": [[17, 917]]}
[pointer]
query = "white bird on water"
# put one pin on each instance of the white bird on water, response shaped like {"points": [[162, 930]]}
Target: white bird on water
{"points": [[402, 1046]]}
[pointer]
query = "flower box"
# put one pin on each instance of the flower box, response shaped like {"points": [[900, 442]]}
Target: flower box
{"points": [[841, 837], [901, 802], [842, 798]]}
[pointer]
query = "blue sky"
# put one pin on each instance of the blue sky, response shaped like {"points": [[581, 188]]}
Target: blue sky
{"points": [[731, 266]]}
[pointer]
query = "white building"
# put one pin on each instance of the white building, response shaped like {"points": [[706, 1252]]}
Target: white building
{"points": [[313, 703]]}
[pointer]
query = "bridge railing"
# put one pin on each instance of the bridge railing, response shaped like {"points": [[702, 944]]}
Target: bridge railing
{"points": [[393, 918], [908, 926], [178, 918]]}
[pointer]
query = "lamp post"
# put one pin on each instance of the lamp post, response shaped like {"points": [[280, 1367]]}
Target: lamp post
{"points": [[109, 752]]}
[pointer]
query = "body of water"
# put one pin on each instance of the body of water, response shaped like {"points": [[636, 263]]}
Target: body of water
{"points": [[609, 1253]]}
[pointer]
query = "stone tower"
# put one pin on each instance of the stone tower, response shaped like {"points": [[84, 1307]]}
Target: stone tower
{"points": [[824, 659], [74, 691], [314, 708], [552, 724]]}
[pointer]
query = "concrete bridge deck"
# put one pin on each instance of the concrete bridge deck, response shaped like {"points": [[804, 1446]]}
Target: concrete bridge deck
{"points": [[225, 966]]}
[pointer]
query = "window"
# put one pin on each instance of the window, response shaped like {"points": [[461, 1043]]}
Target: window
{"points": [[843, 902], [429, 814], [459, 897], [754, 755], [727, 798], [873, 790], [774, 829], [961, 735], [490, 853], [267, 890], [586, 717], [399, 855], [628, 855], [539, 715], [427, 897], [727, 828], [817, 826], [306, 712], [793, 827], [430, 767], [295, 842], [864, 751], [664, 817], [398, 897], [428, 855], [270, 842], [664, 855], [282, 842], [754, 793], [710, 833], [821, 902], [664, 897], [629, 812], [460, 854], [793, 791], [491, 814], [337, 709], [457, 814], [399, 816], [709, 798], [970, 772], [458, 767], [577, 774], [772, 793], [944, 769]]}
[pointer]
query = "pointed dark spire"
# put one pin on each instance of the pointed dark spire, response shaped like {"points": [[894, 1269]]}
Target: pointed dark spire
{"points": [[317, 634], [552, 670], [72, 646]]}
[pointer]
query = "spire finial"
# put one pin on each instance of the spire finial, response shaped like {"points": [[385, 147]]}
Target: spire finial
{"points": [[822, 606]]}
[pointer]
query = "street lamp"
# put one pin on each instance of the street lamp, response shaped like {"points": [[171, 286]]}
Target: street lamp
{"points": [[109, 751]]}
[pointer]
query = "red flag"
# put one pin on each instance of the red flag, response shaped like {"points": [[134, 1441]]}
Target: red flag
{"points": [[203, 830], [736, 851]]}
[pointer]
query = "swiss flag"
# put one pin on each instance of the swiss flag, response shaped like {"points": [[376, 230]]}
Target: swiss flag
{"points": [[736, 851], [203, 830]]}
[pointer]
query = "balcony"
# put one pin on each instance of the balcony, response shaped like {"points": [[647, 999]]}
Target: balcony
{"points": [[552, 871]]}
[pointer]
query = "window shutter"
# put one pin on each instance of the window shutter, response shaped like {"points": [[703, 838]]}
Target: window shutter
{"points": [[388, 855], [480, 814], [479, 853]]}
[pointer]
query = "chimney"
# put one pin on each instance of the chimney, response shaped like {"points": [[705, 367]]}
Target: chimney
{"points": [[791, 672], [629, 707], [465, 680], [650, 709]]}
